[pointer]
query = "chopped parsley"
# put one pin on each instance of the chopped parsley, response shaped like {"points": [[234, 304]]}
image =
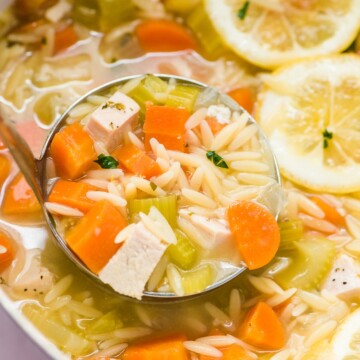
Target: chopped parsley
{"points": [[43, 40], [327, 135], [107, 162], [217, 159], [153, 186], [242, 12], [113, 105]]}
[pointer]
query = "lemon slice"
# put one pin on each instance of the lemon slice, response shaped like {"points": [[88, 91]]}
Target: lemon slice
{"points": [[346, 341], [310, 111], [274, 32]]}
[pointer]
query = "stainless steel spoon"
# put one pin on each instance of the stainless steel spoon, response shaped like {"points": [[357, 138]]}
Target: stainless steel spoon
{"points": [[34, 171]]}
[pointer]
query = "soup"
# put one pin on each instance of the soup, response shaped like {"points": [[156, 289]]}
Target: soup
{"points": [[168, 158], [304, 304]]}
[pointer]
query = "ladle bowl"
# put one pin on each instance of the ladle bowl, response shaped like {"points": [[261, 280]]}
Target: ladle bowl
{"points": [[35, 170]]}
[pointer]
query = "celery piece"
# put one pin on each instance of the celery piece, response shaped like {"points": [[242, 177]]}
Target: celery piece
{"points": [[291, 231], [183, 96], [309, 263], [183, 253], [166, 205], [86, 12], [63, 337], [197, 279], [181, 7], [155, 84], [201, 25], [106, 323], [114, 13], [146, 91]]}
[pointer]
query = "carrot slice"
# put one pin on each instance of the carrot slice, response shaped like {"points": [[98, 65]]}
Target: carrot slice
{"points": [[5, 167], [137, 161], [167, 125], [331, 213], [262, 328], [64, 39], [163, 349], [7, 251], [92, 238], [72, 151], [19, 198], [255, 232], [232, 352], [164, 35], [72, 194], [244, 97]]}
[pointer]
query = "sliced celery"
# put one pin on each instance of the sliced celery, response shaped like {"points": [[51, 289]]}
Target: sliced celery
{"points": [[201, 25], [114, 13], [181, 7], [63, 337], [183, 253], [198, 279], [166, 205], [86, 12], [105, 323], [183, 96], [155, 84], [291, 231], [146, 91], [309, 263]]}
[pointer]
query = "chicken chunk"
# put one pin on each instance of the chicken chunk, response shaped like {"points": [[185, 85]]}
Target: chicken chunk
{"points": [[130, 268], [216, 231], [112, 120], [344, 278], [33, 279]]}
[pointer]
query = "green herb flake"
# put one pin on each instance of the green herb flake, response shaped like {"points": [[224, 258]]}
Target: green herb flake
{"points": [[107, 162], [43, 40], [153, 186], [113, 105], [217, 159], [242, 12], [327, 135]]}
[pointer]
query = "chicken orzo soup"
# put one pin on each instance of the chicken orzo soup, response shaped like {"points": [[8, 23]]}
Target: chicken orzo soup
{"points": [[304, 304]]}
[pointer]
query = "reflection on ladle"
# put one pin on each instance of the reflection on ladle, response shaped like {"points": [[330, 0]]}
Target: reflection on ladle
{"points": [[35, 170]]}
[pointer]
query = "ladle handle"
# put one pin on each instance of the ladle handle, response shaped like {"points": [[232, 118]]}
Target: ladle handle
{"points": [[22, 154]]}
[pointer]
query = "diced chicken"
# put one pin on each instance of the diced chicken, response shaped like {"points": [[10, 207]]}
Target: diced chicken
{"points": [[130, 268], [344, 278], [112, 120], [220, 112], [34, 279], [216, 231]]}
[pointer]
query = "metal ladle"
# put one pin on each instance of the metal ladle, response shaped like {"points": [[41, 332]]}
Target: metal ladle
{"points": [[34, 170]]}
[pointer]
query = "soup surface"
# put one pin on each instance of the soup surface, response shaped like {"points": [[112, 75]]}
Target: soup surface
{"points": [[303, 301]]}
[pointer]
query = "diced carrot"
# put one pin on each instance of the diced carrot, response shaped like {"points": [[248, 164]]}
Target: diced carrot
{"points": [[255, 232], [7, 251], [330, 211], [72, 151], [163, 349], [136, 161], [214, 125], [164, 35], [64, 39], [19, 199], [232, 352], [167, 125], [5, 167], [92, 238], [72, 194], [244, 97], [262, 328]]}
